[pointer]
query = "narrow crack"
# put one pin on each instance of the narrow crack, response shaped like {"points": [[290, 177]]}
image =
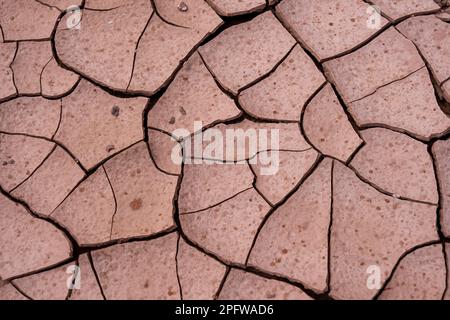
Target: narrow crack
{"points": [[269, 73], [444, 252], [97, 278], [222, 283], [91, 171], [12, 70], [411, 135], [216, 204], [34, 170], [225, 161], [302, 115], [20, 290], [328, 281], [59, 144], [390, 194], [444, 105], [137, 47], [282, 202], [47, 5], [235, 97], [155, 164], [390, 23], [255, 178], [176, 267], [74, 248], [59, 121], [387, 84], [176, 217], [396, 265], [115, 203], [40, 74], [155, 9]]}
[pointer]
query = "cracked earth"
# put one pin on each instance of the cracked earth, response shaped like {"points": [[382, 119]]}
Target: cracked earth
{"points": [[89, 102]]}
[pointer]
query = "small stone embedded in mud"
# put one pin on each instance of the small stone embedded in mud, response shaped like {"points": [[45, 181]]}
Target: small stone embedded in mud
{"points": [[172, 120], [11, 161], [183, 7], [115, 111], [110, 148], [182, 111]]}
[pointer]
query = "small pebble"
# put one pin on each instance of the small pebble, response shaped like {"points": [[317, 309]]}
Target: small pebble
{"points": [[110, 148], [183, 7], [115, 111]]}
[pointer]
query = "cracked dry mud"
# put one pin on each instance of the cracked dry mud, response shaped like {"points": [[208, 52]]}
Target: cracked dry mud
{"points": [[90, 104]]}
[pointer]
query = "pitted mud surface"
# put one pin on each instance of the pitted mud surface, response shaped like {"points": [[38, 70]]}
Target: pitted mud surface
{"points": [[116, 170]]}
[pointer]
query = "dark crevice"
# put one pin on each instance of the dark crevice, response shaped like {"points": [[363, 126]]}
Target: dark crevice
{"points": [[65, 94], [229, 21], [301, 286], [91, 262], [59, 144], [102, 10], [328, 290], [222, 283], [1, 32], [446, 80], [154, 162], [387, 84], [89, 173], [269, 73], [216, 204], [137, 47], [104, 245], [156, 11], [302, 115], [255, 178], [123, 93], [411, 135], [231, 264], [115, 203], [71, 240], [444, 252], [27, 95], [390, 23], [439, 204], [443, 104], [404, 254], [282, 202], [34, 170], [240, 161], [389, 194], [235, 97], [20, 290], [59, 121], [40, 74], [47, 5], [13, 76], [344, 108], [176, 267]]}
